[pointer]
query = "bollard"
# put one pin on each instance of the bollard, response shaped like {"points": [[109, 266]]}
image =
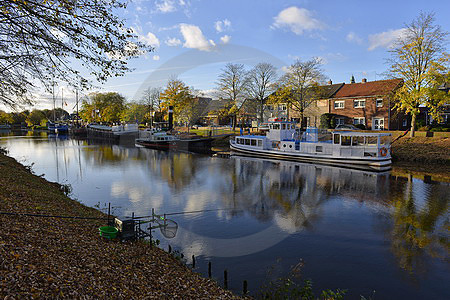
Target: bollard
{"points": [[209, 269], [193, 261], [245, 288], [225, 279], [170, 249]]}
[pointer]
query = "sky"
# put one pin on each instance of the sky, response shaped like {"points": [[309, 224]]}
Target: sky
{"points": [[194, 39]]}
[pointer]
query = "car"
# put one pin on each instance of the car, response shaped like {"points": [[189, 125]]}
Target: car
{"points": [[346, 127]]}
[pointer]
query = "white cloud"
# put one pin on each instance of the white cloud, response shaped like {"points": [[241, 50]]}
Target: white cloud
{"points": [[166, 6], [297, 20], [353, 38], [221, 26], [172, 42], [148, 39], [194, 38], [181, 2], [385, 39], [225, 39], [155, 57]]}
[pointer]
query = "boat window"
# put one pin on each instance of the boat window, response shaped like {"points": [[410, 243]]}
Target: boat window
{"points": [[346, 141], [270, 126], [337, 139], [385, 140], [247, 141], [290, 146], [259, 143], [319, 149], [284, 145], [276, 126], [357, 140], [283, 126], [371, 140], [274, 144], [253, 142]]}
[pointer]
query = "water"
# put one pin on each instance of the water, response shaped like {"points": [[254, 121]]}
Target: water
{"points": [[353, 230]]}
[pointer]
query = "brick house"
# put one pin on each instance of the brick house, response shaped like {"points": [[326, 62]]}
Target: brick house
{"points": [[367, 103]]}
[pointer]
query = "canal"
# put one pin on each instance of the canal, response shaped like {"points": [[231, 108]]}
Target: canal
{"points": [[374, 234]]}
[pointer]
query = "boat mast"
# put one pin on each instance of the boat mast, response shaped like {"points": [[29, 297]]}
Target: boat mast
{"points": [[76, 97], [54, 102]]}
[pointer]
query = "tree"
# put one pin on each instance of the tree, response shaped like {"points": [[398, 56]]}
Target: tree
{"points": [[232, 85], [261, 83], [176, 94], [299, 87], [41, 38], [134, 113], [153, 101], [419, 58], [35, 117], [5, 118], [103, 107]]}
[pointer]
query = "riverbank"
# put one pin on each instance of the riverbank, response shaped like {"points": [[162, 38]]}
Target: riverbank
{"points": [[66, 258], [424, 150]]}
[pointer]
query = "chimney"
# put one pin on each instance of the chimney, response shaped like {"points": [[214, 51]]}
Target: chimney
{"points": [[352, 80], [330, 82], [170, 117], [364, 80]]}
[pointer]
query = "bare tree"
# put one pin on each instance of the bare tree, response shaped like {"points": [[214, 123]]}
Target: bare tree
{"points": [[39, 40], [152, 100], [420, 59], [299, 87], [261, 83], [232, 86]]}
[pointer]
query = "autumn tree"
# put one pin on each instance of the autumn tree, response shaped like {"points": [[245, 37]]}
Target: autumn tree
{"points": [[134, 112], [299, 86], [36, 117], [232, 85], [103, 107], [40, 39], [5, 118], [261, 83], [176, 94], [419, 58]]}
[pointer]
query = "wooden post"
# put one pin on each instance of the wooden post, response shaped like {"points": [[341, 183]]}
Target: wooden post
{"points": [[225, 279], [109, 211], [245, 288], [170, 249], [209, 269], [193, 261]]}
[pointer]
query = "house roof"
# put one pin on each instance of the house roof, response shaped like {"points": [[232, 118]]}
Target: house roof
{"points": [[327, 91], [370, 88]]}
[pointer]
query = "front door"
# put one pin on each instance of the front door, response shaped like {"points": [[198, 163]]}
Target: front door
{"points": [[378, 123]]}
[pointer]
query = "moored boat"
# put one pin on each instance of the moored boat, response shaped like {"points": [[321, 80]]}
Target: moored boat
{"points": [[57, 127], [165, 141], [367, 150]]}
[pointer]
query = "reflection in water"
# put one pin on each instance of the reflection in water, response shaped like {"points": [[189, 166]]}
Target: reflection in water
{"points": [[340, 221]]}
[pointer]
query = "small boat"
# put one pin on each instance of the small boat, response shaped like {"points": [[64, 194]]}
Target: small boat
{"points": [[363, 150], [127, 132], [57, 127], [164, 141]]}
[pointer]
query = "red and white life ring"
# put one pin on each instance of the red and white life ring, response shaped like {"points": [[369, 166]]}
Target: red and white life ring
{"points": [[383, 151]]}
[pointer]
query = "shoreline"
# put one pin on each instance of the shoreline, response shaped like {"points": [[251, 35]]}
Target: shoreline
{"points": [[66, 258]]}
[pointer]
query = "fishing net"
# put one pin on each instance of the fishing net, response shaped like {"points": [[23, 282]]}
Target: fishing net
{"points": [[168, 227]]}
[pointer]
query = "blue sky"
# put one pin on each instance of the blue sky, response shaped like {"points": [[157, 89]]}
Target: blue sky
{"points": [[351, 38]]}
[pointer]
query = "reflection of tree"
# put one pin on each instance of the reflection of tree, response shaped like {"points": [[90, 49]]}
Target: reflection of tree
{"points": [[419, 230]]}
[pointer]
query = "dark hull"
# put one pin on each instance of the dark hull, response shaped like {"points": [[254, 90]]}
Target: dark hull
{"points": [[192, 145]]}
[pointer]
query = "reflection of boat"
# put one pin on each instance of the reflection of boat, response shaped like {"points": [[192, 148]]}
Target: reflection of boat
{"points": [[57, 127], [343, 148], [164, 141], [5, 127]]}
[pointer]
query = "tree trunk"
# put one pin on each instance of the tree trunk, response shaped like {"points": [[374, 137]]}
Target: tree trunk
{"points": [[413, 125]]}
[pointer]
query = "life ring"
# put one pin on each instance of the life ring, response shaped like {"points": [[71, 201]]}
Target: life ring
{"points": [[383, 151]]}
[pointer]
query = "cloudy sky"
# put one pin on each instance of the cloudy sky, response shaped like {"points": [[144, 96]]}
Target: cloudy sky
{"points": [[194, 39]]}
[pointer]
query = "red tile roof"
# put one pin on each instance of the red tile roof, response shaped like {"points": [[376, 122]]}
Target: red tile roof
{"points": [[370, 88]]}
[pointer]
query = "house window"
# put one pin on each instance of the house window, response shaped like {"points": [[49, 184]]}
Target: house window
{"points": [[339, 104], [358, 121], [379, 102], [359, 103], [340, 121], [405, 122], [282, 107]]}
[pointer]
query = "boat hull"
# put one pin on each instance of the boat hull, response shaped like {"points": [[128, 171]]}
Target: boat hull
{"points": [[374, 164], [192, 145]]}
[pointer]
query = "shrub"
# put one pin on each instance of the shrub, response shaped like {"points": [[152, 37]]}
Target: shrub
{"points": [[327, 121], [424, 128]]}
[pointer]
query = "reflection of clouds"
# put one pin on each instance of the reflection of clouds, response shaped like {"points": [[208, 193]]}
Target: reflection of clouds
{"points": [[136, 193], [198, 201]]}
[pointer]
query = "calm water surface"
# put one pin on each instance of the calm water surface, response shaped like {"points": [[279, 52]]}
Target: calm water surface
{"points": [[353, 230]]}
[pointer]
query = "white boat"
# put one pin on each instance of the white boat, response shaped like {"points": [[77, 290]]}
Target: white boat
{"points": [[118, 132], [364, 150]]}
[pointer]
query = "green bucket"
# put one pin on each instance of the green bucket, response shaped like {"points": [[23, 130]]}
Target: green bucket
{"points": [[108, 232]]}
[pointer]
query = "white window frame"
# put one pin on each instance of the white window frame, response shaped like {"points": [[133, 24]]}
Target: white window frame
{"points": [[357, 121], [381, 100], [405, 122], [357, 103], [339, 104]]}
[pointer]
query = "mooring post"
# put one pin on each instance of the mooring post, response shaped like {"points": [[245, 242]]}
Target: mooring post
{"points": [[170, 249], [209, 269], [193, 261], [225, 279], [109, 211], [245, 288]]}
